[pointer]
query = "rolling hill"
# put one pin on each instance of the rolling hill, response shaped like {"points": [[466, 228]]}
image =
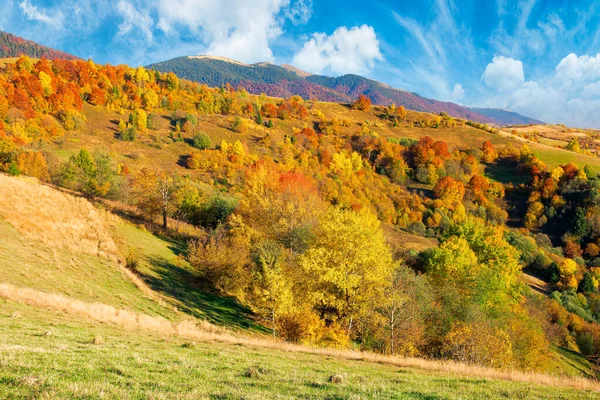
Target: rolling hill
{"points": [[14, 46], [76, 323], [99, 300], [285, 81]]}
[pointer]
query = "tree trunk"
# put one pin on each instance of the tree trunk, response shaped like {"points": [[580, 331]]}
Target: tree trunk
{"points": [[392, 329], [164, 219]]}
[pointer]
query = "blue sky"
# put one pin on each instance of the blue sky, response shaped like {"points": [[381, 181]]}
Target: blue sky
{"points": [[536, 57]]}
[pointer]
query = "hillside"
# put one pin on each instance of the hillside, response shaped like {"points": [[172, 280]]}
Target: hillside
{"points": [[14, 46], [290, 229], [286, 81], [63, 308]]}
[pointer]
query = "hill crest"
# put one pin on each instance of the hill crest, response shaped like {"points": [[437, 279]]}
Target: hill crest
{"points": [[15, 46], [286, 80]]}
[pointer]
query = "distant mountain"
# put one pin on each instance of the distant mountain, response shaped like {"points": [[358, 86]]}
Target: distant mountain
{"points": [[509, 117], [14, 46], [285, 81]]}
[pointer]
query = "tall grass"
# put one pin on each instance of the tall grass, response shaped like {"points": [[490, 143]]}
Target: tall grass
{"points": [[203, 331], [55, 218]]}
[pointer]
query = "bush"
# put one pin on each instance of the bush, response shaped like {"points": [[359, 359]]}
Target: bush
{"points": [[13, 169], [129, 134], [216, 211], [220, 260], [151, 122], [417, 228], [239, 125], [201, 141], [132, 261]]}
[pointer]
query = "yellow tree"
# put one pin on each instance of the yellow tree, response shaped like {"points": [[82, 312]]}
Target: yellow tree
{"points": [[154, 192], [348, 265], [450, 191], [271, 291]]}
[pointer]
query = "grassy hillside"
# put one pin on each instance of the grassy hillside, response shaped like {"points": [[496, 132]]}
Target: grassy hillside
{"points": [[64, 357], [107, 332], [154, 147], [204, 214]]}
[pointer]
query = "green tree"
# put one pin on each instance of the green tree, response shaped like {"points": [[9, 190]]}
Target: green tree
{"points": [[586, 285], [201, 141]]}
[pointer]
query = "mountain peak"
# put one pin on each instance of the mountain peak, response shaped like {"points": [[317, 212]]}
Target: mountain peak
{"points": [[218, 58], [298, 71]]}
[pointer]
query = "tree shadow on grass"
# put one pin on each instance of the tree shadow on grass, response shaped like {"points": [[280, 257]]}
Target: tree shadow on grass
{"points": [[505, 172], [196, 298], [575, 360]]}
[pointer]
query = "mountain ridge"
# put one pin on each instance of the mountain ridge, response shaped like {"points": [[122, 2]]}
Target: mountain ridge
{"points": [[15, 46], [286, 80]]}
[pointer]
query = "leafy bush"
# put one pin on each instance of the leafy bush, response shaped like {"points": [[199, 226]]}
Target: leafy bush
{"points": [[201, 141], [129, 134]]}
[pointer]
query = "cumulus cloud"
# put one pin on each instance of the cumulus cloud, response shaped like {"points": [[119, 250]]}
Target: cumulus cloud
{"points": [[353, 50], [32, 13], [504, 73], [579, 68], [230, 28], [570, 95], [299, 12], [591, 90]]}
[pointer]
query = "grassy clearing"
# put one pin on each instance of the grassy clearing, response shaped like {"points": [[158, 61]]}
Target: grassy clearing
{"points": [[44, 356]]}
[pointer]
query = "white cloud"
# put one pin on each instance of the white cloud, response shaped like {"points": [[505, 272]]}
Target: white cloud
{"points": [[570, 95], [32, 13], [504, 73], [230, 28], [300, 12], [345, 51], [579, 68], [591, 90], [132, 18], [458, 92]]}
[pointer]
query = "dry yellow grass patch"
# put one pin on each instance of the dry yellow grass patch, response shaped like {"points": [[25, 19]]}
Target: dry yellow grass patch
{"points": [[55, 218], [204, 331]]}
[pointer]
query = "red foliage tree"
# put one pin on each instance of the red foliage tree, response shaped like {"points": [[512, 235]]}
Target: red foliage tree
{"points": [[363, 103]]}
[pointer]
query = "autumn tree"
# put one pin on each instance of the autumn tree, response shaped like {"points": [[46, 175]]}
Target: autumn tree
{"points": [[271, 290], [33, 163], [154, 192], [489, 152], [450, 191], [363, 103], [90, 174], [347, 266]]}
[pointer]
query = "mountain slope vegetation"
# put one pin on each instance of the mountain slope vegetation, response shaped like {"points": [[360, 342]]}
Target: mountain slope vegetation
{"points": [[281, 81], [14, 46], [292, 219]]}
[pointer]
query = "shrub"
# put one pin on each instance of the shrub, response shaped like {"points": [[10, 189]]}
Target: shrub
{"points": [[201, 141], [13, 169], [220, 260], [129, 134], [363, 103], [132, 261], [239, 125]]}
